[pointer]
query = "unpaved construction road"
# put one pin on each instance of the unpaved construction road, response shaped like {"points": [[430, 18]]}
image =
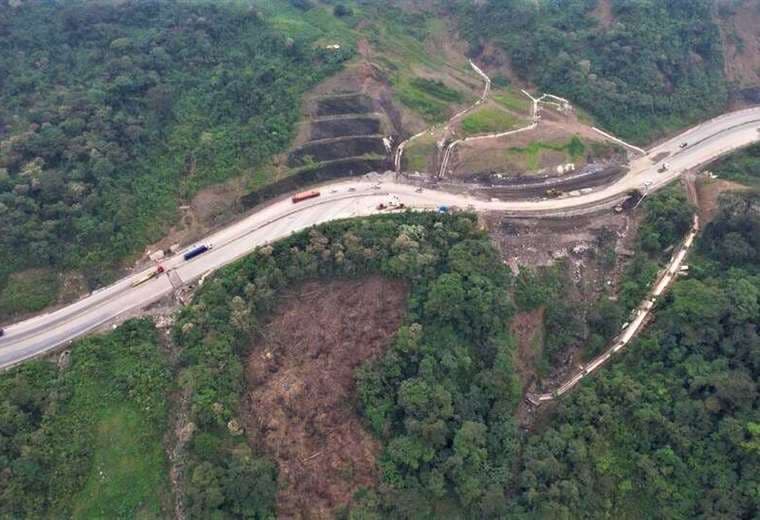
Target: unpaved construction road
{"points": [[356, 198]]}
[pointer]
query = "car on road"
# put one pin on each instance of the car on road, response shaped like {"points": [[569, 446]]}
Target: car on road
{"points": [[683, 145]]}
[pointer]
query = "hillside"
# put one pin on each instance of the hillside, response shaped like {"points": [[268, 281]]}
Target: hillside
{"points": [[396, 347], [641, 68], [113, 115]]}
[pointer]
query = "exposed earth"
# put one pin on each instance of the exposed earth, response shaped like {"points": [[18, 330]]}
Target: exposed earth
{"points": [[300, 405]]}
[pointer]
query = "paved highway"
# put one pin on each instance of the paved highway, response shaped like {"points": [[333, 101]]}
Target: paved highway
{"points": [[355, 198]]}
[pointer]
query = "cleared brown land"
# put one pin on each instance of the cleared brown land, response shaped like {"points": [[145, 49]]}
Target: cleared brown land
{"points": [[603, 13], [741, 41], [300, 406], [528, 330]]}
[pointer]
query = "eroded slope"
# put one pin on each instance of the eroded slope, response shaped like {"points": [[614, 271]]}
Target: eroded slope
{"points": [[299, 406]]}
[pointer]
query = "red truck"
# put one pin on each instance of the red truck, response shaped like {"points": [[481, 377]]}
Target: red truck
{"points": [[304, 195]]}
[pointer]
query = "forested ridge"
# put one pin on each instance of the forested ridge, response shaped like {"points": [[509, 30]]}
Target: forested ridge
{"points": [[113, 113], [669, 430], [657, 67], [441, 398]]}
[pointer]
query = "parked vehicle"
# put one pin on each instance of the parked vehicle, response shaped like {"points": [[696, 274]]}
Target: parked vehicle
{"points": [[198, 250], [304, 195], [443, 209]]}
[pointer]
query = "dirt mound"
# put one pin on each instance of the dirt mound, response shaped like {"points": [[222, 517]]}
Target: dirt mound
{"points": [[300, 402], [329, 150], [344, 126]]}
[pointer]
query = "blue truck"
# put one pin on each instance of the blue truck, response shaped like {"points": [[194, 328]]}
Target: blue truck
{"points": [[198, 250]]}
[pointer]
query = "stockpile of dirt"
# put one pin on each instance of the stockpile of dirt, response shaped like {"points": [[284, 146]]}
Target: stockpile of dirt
{"points": [[300, 405]]}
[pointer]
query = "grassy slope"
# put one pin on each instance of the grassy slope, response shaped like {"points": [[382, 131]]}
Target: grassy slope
{"points": [[573, 149], [488, 119], [96, 428], [28, 291], [512, 99]]}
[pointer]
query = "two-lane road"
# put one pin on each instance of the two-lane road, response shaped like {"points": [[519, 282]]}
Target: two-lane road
{"points": [[355, 198]]}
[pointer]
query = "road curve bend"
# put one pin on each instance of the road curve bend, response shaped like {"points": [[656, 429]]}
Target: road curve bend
{"points": [[358, 198]]}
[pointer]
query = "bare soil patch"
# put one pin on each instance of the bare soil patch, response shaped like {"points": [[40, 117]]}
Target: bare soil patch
{"points": [[501, 155], [741, 42], [528, 330], [300, 405], [603, 13], [708, 192]]}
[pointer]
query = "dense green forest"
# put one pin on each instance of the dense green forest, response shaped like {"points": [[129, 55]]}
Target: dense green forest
{"points": [[672, 430], [112, 113], [85, 440], [658, 66], [441, 399], [569, 322]]}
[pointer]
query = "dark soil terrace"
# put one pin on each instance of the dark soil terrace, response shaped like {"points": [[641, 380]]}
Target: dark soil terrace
{"points": [[345, 126], [300, 406], [344, 104], [329, 150]]}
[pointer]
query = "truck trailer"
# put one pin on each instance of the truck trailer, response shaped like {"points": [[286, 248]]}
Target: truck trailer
{"points": [[198, 250], [304, 195]]}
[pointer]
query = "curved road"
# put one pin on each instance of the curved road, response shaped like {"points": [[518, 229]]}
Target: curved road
{"points": [[355, 198]]}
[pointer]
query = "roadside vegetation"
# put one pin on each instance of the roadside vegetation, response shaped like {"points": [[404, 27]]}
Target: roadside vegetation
{"points": [[111, 115], [440, 400], [672, 429], [28, 291], [85, 440], [656, 68], [569, 323], [742, 166]]}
